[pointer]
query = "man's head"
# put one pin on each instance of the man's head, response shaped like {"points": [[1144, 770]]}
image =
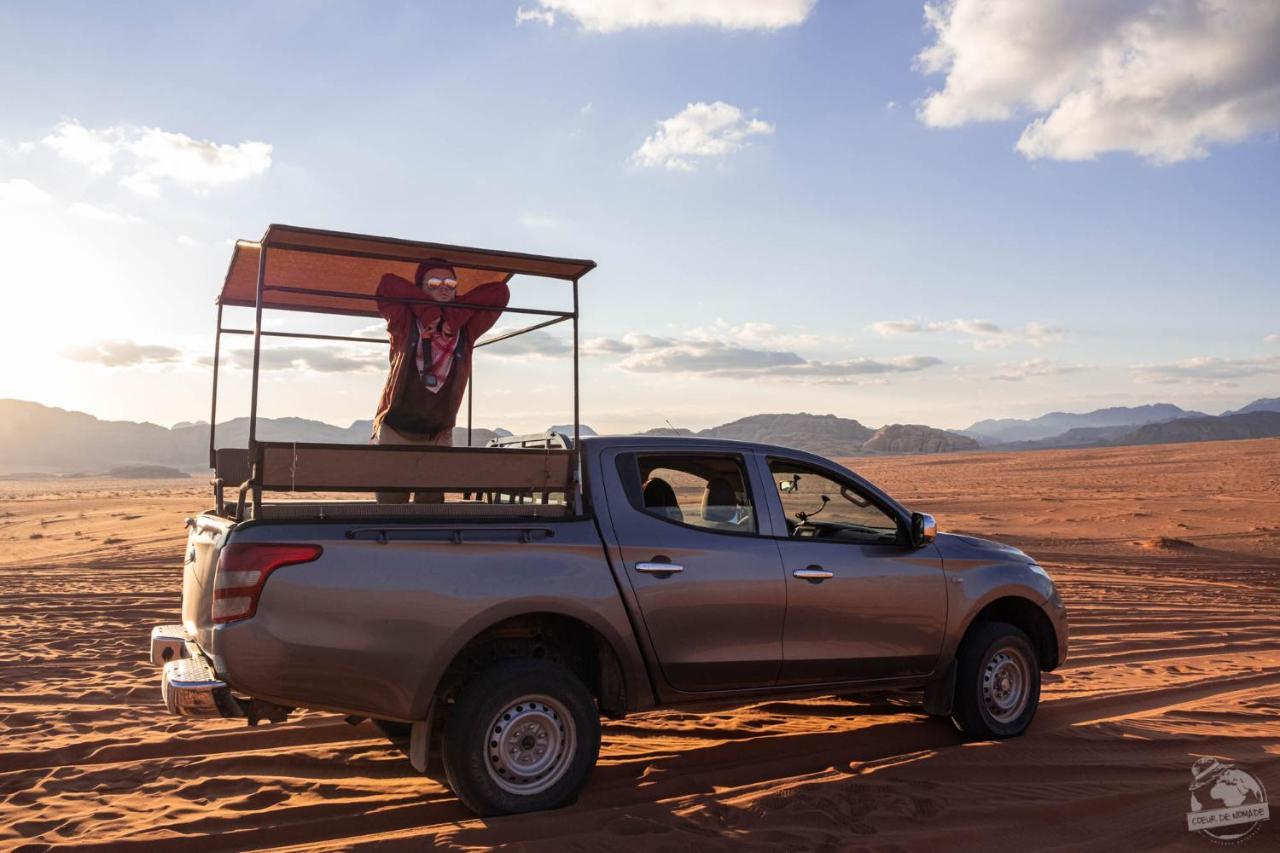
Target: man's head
{"points": [[437, 280]]}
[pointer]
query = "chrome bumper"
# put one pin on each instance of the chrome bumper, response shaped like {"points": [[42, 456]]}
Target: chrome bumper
{"points": [[188, 683], [168, 642]]}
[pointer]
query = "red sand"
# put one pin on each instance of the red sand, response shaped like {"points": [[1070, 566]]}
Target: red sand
{"points": [[1175, 654]]}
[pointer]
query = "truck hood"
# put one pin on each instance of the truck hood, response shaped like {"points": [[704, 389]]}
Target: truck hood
{"points": [[957, 546]]}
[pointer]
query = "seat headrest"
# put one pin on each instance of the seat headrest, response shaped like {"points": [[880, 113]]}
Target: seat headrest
{"points": [[660, 498], [719, 501]]}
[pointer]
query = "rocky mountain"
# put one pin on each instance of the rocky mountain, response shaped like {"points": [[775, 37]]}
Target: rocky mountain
{"points": [[826, 435], [36, 438], [1266, 404], [829, 435], [916, 438], [1076, 437], [1004, 430], [1255, 424]]}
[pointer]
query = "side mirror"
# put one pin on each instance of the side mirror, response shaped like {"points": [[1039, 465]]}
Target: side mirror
{"points": [[789, 486], [923, 529]]}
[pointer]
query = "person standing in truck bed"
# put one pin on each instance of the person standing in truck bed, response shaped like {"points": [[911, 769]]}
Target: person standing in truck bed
{"points": [[431, 345]]}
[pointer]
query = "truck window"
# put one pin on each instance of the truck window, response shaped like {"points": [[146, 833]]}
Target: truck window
{"points": [[817, 506], [699, 490]]}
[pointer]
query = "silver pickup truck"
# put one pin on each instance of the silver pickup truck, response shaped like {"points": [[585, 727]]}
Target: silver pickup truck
{"points": [[682, 570]]}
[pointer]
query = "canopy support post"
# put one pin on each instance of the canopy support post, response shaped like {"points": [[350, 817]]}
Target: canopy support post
{"points": [[213, 407], [257, 361], [577, 437], [471, 381]]}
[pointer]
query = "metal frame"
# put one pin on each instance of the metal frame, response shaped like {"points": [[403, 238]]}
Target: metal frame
{"points": [[258, 334]]}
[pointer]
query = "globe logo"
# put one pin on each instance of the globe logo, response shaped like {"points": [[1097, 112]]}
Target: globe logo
{"points": [[1228, 804]]}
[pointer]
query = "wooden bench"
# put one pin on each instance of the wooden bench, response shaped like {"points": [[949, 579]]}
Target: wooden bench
{"points": [[281, 466]]}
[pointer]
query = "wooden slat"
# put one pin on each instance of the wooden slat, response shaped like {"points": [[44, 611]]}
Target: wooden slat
{"points": [[310, 467], [231, 464]]}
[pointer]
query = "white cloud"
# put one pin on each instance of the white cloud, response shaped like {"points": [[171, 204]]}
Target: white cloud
{"points": [[316, 359], [189, 242], [1032, 368], [700, 131], [535, 344], [729, 358], [123, 354], [373, 330], [609, 16], [84, 210], [983, 334], [1207, 369], [1164, 79], [10, 149], [96, 150], [541, 16], [153, 157], [21, 191], [1272, 339]]}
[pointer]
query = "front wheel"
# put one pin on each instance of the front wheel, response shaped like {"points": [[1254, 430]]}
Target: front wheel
{"points": [[523, 736], [997, 682]]}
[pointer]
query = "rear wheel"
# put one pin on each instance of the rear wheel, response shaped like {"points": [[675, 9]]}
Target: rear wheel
{"points": [[997, 682], [522, 736]]}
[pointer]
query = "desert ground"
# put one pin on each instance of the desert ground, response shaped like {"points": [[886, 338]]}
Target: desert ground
{"points": [[1168, 558]]}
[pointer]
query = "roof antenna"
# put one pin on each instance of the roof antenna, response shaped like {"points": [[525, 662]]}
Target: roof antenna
{"points": [[674, 431]]}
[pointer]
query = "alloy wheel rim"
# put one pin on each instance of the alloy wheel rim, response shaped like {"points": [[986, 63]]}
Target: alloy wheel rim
{"points": [[529, 744], [1006, 680]]}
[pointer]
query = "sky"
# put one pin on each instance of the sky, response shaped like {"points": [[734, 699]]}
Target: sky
{"points": [[899, 212]]}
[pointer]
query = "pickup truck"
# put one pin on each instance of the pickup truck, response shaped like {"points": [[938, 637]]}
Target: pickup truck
{"points": [[684, 571]]}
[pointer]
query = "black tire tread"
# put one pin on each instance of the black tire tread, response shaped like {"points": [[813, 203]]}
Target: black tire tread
{"points": [[967, 713], [478, 701]]}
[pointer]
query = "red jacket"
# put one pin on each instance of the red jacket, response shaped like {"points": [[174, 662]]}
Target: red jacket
{"points": [[420, 413]]}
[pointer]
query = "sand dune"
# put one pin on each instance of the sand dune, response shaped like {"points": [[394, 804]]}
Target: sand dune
{"points": [[1168, 557]]}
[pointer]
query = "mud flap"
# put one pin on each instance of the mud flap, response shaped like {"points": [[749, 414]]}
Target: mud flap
{"points": [[940, 694], [420, 743]]}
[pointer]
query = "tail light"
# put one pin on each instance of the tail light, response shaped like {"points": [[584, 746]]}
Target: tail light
{"points": [[242, 571]]}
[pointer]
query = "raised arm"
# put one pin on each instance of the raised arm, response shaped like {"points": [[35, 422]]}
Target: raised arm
{"points": [[393, 287], [477, 321]]}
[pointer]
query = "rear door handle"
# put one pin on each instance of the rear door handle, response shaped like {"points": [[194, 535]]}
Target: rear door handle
{"points": [[659, 568], [813, 573]]}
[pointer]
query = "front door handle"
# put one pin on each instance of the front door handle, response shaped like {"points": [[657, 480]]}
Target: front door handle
{"points": [[659, 568], [813, 573]]}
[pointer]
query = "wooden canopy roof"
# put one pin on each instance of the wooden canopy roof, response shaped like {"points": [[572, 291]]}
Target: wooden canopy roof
{"points": [[313, 270]]}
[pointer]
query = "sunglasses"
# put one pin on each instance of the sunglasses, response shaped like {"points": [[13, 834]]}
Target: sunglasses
{"points": [[451, 283]]}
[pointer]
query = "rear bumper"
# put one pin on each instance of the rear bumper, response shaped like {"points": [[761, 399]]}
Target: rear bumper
{"points": [[188, 683]]}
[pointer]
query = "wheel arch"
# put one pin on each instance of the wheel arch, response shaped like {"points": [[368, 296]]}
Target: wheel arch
{"points": [[1029, 617], [575, 639]]}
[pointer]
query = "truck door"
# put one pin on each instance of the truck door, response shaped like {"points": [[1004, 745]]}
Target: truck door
{"points": [[861, 603], [709, 586]]}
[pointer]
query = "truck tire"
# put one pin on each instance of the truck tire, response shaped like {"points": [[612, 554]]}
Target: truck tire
{"points": [[997, 682], [521, 737]]}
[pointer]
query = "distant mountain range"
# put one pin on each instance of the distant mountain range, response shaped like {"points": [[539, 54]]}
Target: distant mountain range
{"points": [[1006, 430], [1160, 423], [828, 435], [37, 438]]}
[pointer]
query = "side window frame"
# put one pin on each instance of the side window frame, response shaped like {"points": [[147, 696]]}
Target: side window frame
{"points": [[778, 528], [628, 465]]}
